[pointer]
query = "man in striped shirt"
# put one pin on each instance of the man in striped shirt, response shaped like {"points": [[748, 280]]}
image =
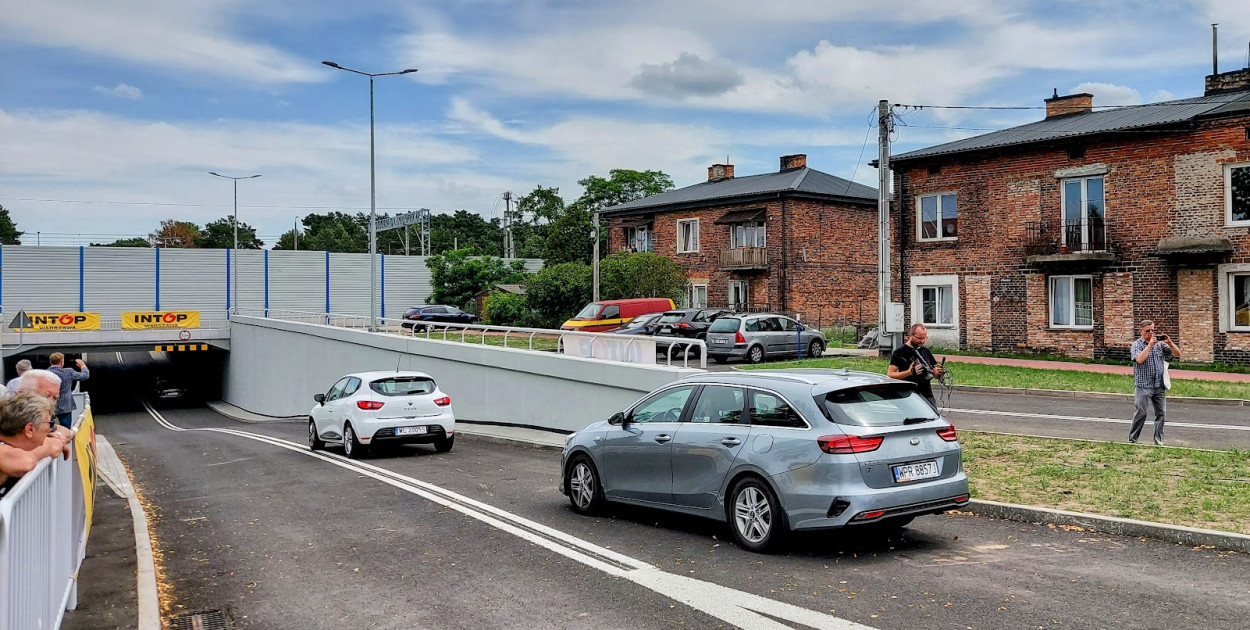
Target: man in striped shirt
{"points": [[1148, 365]]}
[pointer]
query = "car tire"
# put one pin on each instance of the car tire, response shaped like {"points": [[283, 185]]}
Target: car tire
{"points": [[315, 442], [587, 496], [755, 354], [755, 516], [816, 349], [352, 447], [443, 445]]}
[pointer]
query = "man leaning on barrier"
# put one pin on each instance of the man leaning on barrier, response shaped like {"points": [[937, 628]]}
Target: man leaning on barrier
{"points": [[26, 437], [21, 367], [46, 385]]}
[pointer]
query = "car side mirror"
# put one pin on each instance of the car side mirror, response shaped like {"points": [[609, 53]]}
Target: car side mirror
{"points": [[617, 418], [320, 398]]}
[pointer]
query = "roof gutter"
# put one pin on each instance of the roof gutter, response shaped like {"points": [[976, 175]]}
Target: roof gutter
{"points": [[727, 201]]}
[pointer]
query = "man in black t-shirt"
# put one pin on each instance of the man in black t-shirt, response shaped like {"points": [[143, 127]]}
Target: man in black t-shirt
{"points": [[914, 363]]}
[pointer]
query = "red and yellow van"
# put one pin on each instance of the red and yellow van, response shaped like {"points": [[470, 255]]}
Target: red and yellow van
{"points": [[609, 314]]}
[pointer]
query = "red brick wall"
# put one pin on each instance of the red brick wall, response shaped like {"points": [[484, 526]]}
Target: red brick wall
{"points": [[824, 252], [1157, 185]]}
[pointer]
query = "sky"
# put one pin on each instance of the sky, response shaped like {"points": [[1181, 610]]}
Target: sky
{"points": [[113, 113]]}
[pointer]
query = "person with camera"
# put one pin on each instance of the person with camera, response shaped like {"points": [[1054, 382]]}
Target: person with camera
{"points": [[914, 363], [1149, 364]]}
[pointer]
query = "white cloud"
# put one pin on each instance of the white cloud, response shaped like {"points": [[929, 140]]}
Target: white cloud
{"points": [[1108, 94], [176, 36], [1161, 95], [121, 91]]}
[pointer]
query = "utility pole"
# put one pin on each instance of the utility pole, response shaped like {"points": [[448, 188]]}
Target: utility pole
{"points": [[595, 257], [507, 225], [295, 234], [884, 122]]}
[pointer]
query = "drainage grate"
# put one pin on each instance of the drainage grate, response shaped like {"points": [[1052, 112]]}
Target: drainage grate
{"points": [[204, 620]]}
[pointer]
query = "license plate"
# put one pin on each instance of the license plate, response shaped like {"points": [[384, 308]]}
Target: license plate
{"points": [[916, 471], [722, 341], [411, 430]]}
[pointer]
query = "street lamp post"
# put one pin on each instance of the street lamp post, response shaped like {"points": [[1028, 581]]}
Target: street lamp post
{"points": [[234, 272], [373, 198]]}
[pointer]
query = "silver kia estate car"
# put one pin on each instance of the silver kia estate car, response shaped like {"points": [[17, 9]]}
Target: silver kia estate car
{"points": [[762, 335], [770, 452]]}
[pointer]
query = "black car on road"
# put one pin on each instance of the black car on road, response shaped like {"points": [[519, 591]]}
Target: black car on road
{"points": [[685, 323], [641, 325], [420, 317]]}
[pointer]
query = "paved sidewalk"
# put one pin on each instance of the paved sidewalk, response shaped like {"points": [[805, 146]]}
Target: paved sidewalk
{"points": [[106, 581], [1227, 377]]}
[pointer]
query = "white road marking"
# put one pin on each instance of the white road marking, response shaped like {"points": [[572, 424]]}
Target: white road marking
{"points": [[744, 610], [119, 359], [1047, 416]]}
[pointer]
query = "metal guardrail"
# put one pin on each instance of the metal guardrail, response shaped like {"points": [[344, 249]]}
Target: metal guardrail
{"points": [[43, 539], [686, 349]]}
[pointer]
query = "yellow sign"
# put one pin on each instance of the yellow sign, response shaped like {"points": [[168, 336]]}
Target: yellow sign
{"points": [[160, 319], [85, 455], [60, 321]]}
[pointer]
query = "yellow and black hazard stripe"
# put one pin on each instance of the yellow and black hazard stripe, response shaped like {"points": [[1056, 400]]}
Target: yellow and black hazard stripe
{"points": [[182, 347]]}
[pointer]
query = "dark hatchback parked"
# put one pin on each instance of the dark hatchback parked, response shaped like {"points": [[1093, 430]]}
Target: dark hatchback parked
{"points": [[641, 325], [686, 323], [419, 317]]}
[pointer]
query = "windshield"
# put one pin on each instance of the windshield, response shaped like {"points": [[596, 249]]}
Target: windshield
{"points": [[878, 406], [671, 318], [725, 325], [640, 321], [589, 312], [403, 386]]}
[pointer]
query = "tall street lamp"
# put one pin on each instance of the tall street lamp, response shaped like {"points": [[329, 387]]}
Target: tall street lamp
{"points": [[234, 273], [373, 198]]}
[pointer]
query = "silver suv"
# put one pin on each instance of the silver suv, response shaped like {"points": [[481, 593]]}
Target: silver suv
{"points": [[758, 336], [773, 451]]}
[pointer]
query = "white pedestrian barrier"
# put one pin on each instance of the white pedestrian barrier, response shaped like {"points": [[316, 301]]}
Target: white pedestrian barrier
{"points": [[44, 523]]}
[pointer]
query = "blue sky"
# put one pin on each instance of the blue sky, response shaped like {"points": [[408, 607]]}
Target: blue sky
{"points": [[111, 113]]}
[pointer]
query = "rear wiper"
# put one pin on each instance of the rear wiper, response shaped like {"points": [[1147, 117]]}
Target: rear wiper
{"points": [[917, 420]]}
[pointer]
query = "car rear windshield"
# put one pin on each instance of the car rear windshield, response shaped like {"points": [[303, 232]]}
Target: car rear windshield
{"points": [[671, 318], [589, 312], [877, 406], [403, 386], [725, 325], [639, 322]]}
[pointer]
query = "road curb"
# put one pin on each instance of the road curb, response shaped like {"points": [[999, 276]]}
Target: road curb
{"points": [[114, 472], [494, 439], [1110, 525], [1063, 393]]}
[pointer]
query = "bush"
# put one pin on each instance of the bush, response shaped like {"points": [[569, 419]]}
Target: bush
{"points": [[457, 276], [641, 275], [557, 292], [508, 309]]}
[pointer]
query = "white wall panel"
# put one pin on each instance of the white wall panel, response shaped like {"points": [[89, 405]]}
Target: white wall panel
{"points": [[251, 279], [39, 279], [349, 284], [119, 279], [407, 283], [297, 281], [194, 280]]}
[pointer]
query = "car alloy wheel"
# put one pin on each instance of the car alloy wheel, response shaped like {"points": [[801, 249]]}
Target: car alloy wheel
{"points": [[349, 441], [755, 515], [755, 354], [583, 485], [817, 348]]}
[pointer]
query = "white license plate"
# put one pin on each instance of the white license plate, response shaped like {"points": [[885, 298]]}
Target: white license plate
{"points": [[722, 341], [412, 430], [916, 471]]}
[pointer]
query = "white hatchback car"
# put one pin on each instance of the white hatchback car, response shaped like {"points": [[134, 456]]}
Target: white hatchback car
{"points": [[369, 408]]}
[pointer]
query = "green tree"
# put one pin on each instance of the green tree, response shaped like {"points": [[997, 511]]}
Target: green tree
{"points": [[287, 241], [557, 292], [137, 241], [622, 185], [570, 238], [463, 229], [220, 235], [8, 229], [641, 275], [458, 275], [570, 235], [508, 309]]}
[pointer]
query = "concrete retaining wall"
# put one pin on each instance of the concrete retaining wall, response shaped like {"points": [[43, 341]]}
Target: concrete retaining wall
{"points": [[275, 368]]}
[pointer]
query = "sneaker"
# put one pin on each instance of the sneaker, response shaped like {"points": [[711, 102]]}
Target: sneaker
{"points": [[1158, 442], [1132, 441]]}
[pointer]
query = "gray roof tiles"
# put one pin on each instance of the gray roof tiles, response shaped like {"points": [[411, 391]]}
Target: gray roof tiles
{"points": [[801, 180], [1103, 121]]}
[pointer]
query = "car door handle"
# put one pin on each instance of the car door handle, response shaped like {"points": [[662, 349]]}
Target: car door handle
{"points": [[731, 441], [663, 437]]}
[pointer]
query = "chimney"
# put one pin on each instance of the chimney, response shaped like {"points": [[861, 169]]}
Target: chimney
{"points": [[717, 172], [798, 160], [1056, 105], [1235, 81]]}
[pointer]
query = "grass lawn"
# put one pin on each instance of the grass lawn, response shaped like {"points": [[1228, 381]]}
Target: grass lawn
{"points": [[520, 341], [1164, 485], [1031, 378]]}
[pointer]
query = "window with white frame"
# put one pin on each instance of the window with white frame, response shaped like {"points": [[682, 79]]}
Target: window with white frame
{"points": [[939, 217], [1237, 194], [638, 239], [687, 236], [698, 296], [937, 306], [1239, 305], [739, 294], [1071, 302], [1084, 213], [748, 234]]}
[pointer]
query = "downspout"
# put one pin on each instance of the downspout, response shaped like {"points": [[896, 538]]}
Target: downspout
{"points": [[784, 285]]}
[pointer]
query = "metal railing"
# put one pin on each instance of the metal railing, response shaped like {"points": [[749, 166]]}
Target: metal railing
{"points": [[43, 538], [604, 346], [1068, 236]]}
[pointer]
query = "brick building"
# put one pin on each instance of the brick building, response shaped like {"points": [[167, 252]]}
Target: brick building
{"points": [[1058, 235], [797, 240]]}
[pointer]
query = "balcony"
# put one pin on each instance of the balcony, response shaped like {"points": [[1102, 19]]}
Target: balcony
{"points": [[744, 259], [1070, 241]]}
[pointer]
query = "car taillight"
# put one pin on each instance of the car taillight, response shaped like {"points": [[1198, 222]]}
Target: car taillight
{"points": [[948, 433], [369, 405], [738, 338], [442, 402], [843, 444], [683, 325]]}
